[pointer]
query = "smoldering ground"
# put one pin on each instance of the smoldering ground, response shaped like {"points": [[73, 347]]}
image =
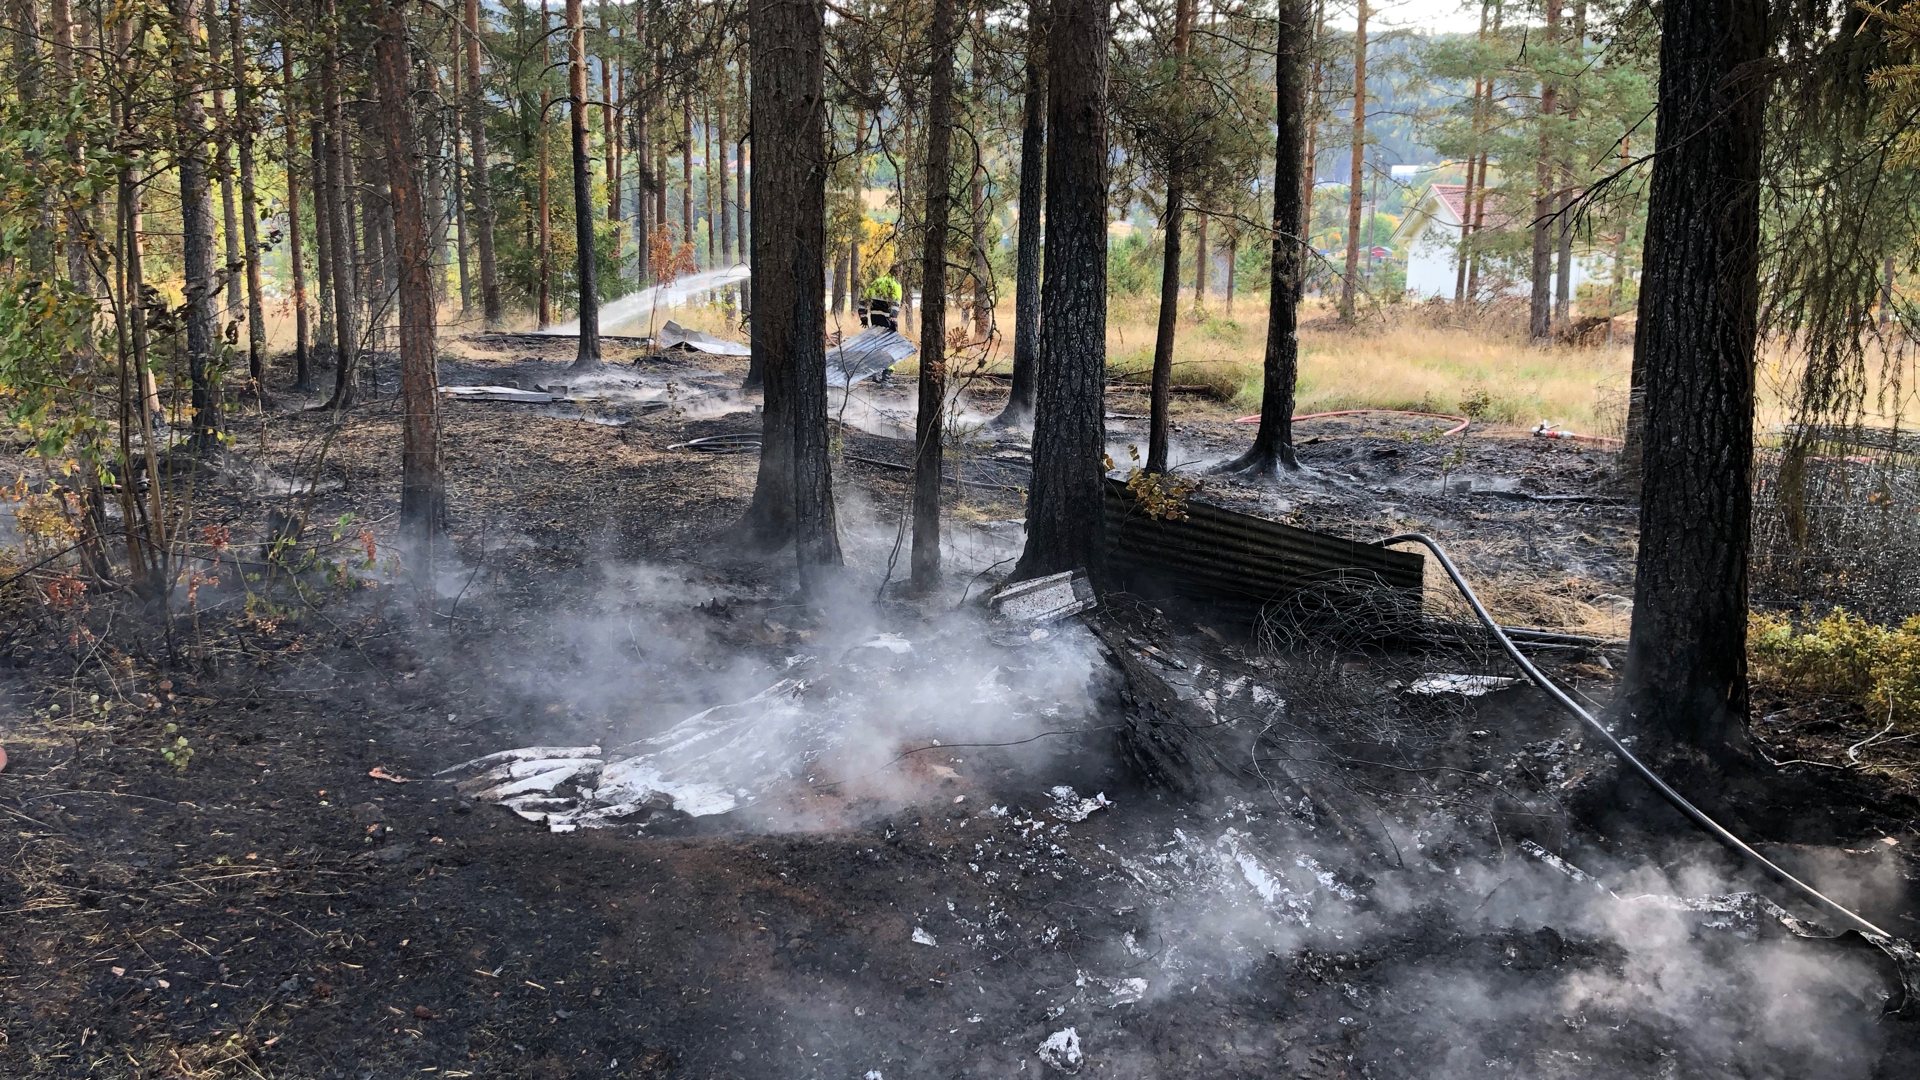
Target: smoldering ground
{"points": [[970, 903]]}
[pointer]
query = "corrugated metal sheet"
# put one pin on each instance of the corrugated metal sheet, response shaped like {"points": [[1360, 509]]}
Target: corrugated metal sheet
{"points": [[1227, 559], [675, 336], [866, 354]]}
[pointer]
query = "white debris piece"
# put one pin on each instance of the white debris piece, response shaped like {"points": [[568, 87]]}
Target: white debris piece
{"points": [[921, 937], [1069, 806], [1437, 682], [892, 643], [1062, 1050], [1046, 599]]}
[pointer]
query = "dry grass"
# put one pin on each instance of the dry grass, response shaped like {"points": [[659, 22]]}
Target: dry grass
{"points": [[1404, 361]]}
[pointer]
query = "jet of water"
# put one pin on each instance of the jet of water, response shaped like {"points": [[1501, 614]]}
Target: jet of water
{"points": [[637, 306]]}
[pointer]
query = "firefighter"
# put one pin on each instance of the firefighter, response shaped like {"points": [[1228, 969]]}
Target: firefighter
{"points": [[882, 302]]}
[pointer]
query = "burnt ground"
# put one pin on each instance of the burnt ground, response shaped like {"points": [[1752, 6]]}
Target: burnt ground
{"points": [[1359, 894]]}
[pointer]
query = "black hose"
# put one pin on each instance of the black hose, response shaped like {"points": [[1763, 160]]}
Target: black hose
{"points": [[1679, 801]]}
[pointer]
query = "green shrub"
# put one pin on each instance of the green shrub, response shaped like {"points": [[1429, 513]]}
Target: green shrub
{"points": [[1843, 656]]}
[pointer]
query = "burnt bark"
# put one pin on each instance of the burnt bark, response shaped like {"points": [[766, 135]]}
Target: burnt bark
{"points": [[793, 494], [296, 248], [1065, 525], [929, 425], [1033, 189], [1540, 313], [346, 334], [1686, 686], [196, 221], [588, 355], [1272, 448], [1161, 392], [249, 201], [421, 495], [482, 186], [1349, 281]]}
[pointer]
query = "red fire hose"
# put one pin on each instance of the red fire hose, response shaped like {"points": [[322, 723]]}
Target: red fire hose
{"points": [[1454, 430]]}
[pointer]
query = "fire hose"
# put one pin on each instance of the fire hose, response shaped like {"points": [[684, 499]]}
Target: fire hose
{"points": [[1680, 802]]}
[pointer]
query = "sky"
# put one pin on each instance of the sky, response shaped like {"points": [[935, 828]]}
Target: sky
{"points": [[1445, 15]]}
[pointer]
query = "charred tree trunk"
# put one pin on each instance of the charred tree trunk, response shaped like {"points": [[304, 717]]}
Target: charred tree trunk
{"points": [[249, 202], [296, 252], [323, 242], [196, 244], [1202, 259], [543, 295], [1350, 280], [725, 196], [588, 356], [1272, 448], [457, 136], [217, 53], [983, 292], [1686, 677], [740, 224], [1033, 190], [1540, 315], [1065, 524], [687, 221], [793, 495], [1161, 394], [482, 188], [930, 425], [346, 334], [421, 495]]}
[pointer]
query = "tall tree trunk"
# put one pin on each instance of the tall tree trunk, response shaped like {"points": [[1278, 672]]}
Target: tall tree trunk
{"points": [[346, 334], [1202, 260], [1160, 399], [1355, 177], [439, 208], [838, 304], [1066, 527], [296, 252], [686, 168], [642, 109], [610, 116], [1033, 189], [1272, 448], [706, 183], [543, 297], [588, 356], [73, 244], [720, 143], [196, 220], [793, 494], [740, 225], [217, 54], [323, 241], [457, 134], [929, 429], [249, 201], [1563, 268], [983, 291], [660, 149], [24, 35], [482, 187], [1233, 270], [1540, 314], [1686, 676], [1465, 254], [421, 496], [1312, 119]]}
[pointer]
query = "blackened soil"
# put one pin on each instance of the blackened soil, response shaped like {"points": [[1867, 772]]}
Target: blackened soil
{"points": [[302, 900]]}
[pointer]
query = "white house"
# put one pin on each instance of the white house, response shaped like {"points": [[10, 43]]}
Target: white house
{"points": [[1430, 234]]}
